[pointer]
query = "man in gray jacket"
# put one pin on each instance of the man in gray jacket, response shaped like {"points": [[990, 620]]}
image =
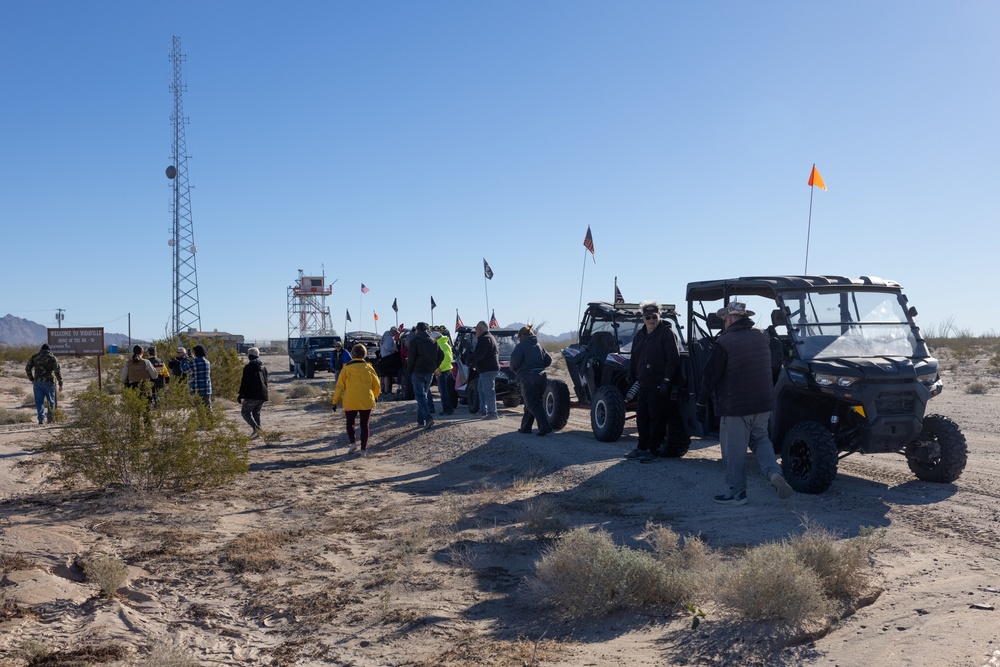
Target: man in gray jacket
{"points": [[738, 370]]}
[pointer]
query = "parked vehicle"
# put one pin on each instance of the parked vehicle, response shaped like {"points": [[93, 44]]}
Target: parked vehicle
{"points": [[598, 366], [467, 378], [311, 352], [852, 374]]}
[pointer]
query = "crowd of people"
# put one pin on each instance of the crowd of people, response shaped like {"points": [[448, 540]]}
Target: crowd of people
{"points": [[737, 375]]}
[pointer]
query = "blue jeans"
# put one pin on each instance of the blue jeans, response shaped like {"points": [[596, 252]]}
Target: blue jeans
{"points": [[422, 392], [736, 434], [44, 390], [488, 393]]}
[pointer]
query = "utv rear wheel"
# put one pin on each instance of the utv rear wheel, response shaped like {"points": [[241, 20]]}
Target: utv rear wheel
{"points": [[555, 401], [472, 397], [809, 457], [310, 369], [939, 453], [511, 400], [607, 413]]}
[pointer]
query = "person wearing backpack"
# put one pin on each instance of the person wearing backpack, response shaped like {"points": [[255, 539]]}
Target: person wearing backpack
{"points": [[162, 373]]}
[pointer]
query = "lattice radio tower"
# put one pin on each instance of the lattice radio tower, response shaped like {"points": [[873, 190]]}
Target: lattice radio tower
{"points": [[187, 312]]}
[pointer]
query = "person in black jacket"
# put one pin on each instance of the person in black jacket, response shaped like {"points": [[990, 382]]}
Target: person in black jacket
{"points": [[486, 360], [528, 362], [738, 371], [423, 358], [654, 364], [253, 391]]}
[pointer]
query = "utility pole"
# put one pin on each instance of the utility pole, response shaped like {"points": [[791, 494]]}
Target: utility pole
{"points": [[60, 317]]}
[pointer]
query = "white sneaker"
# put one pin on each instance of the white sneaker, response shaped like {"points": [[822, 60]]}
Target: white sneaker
{"points": [[364, 453], [354, 448], [255, 435]]}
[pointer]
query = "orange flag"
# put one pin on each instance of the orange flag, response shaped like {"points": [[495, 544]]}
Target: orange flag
{"points": [[816, 180]]}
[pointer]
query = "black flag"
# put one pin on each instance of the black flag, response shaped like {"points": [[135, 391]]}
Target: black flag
{"points": [[394, 308], [433, 305], [349, 316], [487, 270], [619, 299]]}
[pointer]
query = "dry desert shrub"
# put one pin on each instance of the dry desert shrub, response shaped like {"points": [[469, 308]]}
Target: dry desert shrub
{"points": [[272, 437], [585, 574], [689, 562], [168, 655], [841, 565], [276, 398], [302, 390], [540, 517], [107, 572], [256, 551], [770, 583], [8, 416], [977, 388], [123, 441]]}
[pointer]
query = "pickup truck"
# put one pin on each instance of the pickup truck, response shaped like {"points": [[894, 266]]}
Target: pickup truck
{"points": [[312, 353]]}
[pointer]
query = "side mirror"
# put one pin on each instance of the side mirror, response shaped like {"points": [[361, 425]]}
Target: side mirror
{"points": [[912, 311]]}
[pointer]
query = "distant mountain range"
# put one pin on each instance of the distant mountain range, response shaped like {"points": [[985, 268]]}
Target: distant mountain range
{"points": [[547, 338], [19, 331]]}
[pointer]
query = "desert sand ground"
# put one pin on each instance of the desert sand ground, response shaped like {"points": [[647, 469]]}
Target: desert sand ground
{"points": [[416, 555]]}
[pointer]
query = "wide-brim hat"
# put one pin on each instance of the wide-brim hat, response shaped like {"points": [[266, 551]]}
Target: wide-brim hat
{"points": [[736, 309]]}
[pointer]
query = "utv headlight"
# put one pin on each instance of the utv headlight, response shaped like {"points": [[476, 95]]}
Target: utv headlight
{"points": [[829, 380], [928, 379]]}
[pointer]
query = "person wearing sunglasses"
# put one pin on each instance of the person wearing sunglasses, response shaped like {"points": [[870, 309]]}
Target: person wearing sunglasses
{"points": [[654, 363]]}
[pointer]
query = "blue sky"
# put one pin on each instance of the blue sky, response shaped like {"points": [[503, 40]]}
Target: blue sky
{"points": [[398, 143]]}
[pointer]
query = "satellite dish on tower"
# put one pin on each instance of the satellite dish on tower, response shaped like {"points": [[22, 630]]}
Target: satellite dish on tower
{"points": [[171, 172]]}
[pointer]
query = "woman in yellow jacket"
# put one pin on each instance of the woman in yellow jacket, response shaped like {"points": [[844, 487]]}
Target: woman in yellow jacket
{"points": [[358, 385]]}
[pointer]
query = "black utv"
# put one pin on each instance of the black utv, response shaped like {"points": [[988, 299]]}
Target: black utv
{"points": [[598, 366], [851, 374]]}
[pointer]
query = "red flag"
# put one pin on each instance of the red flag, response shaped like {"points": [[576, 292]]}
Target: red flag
{"points": [[364, 290], [588, 243], [493, 321], [816, 180], [376, 315], [458, 320]]}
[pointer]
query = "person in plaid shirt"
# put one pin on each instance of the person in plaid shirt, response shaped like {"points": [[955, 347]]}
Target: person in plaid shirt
{"points": [[200, 375]]}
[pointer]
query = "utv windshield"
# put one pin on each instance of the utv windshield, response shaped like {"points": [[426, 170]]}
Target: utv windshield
{"points": [[850, 324], [323, 341], [623, 328], [505, 344]]}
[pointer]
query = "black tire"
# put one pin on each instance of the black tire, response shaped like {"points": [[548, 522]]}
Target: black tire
{"points": [[809, 457], [948, 461], [472, 396], [511, 400], [555, 402], [310, 369], [607, 413]]}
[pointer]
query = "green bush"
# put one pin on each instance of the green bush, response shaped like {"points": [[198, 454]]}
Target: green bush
{"points": [[107, 572], [18, 354], [124, 441]]}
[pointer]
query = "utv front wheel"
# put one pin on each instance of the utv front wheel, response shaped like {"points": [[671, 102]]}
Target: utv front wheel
{"points": [[809, 457], [939, 453], [472, 396], [555, 402], [607, 413], [511, 400]]}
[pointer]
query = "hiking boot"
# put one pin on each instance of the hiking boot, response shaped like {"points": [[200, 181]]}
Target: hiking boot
{"points": [[779, 483], [731, 499], [255, 434], [546, 432], [634, 454], [647, 457], [491, 416], [430, 422], [525, 431], [353, 448]]}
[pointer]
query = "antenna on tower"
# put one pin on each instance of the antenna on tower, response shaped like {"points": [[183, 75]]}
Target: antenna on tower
{"points": [[186, 312]]}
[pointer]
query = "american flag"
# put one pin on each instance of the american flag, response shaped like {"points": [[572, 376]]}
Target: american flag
{"points": [[458, 320], [493, 321], [588, 243], [364, 290]]}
